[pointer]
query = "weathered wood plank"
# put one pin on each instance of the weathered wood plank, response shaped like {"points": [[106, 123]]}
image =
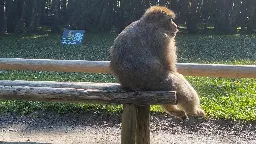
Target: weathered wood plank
{"points": [[142, 130], [217, 70], [187, 69], [54, 65], [54, 84], [101, 95], [128, 124]]}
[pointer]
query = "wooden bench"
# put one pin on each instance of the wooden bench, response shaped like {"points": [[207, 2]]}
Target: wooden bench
{"points": [[136, 105]]}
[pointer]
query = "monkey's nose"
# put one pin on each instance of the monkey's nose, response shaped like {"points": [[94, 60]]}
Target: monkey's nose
{"points": [[175, 26]]}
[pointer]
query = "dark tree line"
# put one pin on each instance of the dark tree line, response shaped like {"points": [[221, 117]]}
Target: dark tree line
{"points": [[27, 16]]}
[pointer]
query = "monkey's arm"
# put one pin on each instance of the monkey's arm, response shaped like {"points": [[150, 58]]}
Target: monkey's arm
{"points": [[163, 47]]}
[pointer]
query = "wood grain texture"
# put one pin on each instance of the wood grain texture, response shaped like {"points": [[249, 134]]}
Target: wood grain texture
{"points": [[128, 124], [187, 69], [81, 92], [142, 129]]}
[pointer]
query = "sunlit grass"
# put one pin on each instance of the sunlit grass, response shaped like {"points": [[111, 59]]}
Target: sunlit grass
{"points": [[220, 97]]}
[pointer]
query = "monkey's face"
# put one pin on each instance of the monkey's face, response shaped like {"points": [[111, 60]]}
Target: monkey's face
{"points": [[167, 23]]}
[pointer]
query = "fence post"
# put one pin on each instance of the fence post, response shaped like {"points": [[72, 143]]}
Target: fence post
{"points": [[128, 124], [142, 121]]}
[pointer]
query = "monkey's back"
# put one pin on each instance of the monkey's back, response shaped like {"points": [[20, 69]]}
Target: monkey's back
{"points": [[135, 60]]}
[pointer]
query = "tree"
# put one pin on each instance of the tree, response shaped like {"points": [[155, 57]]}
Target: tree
{"points": [[173, 5], [251, 27], [2, 17], [192, 17], [101, 15], [162, 2], [227, 15], [21, 28], [11, 18], [34, 11], [235, 10], [55, 16], [242, 18], [207, 12]]}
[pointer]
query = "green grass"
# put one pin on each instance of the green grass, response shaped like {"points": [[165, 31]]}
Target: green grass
{"points": [[220, 97]]}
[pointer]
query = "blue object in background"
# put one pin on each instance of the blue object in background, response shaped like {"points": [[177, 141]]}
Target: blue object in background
{"points": [[72, 37]]}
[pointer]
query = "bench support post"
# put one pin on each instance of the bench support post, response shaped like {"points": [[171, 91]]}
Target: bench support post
{"points": [[128, 124], [142, 130], [135, 124]]}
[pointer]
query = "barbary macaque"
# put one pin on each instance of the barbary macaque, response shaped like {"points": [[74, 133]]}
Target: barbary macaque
{"points": [[143, 58]]}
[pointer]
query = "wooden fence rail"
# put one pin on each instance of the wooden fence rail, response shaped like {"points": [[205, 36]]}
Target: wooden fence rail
{"points": [[82, 92], [187, 69], [136, 105]]}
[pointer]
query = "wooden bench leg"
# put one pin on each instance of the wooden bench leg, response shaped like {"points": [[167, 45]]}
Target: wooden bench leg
{"points": [[135, 124], [128, 124], [142, 130]]}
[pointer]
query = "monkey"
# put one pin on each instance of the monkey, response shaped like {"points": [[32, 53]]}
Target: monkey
{"points": [[143, 58]]}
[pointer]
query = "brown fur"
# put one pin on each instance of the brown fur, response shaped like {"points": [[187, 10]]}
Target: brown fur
{"points": [[143, 57]]}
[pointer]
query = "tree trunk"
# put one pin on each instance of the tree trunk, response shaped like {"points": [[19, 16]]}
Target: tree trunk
{"points": [[243, 15], [192, 17], [71, 13], [235, 10], [2, 17], [226, 22], [206, 12], [251, 28], [21, 26], [122, 13], [183, 11], [220, 16], [173, 5], [40, 9], [34, 13], [63, 12], [55, 17], [162, 2], [10, 16]]}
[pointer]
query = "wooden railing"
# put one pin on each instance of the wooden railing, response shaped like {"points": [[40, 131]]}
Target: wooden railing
{"points": [[135, 117], [187, 69]]}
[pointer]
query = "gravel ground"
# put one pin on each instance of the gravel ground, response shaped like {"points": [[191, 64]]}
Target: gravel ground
{"points": [[89, 127]]}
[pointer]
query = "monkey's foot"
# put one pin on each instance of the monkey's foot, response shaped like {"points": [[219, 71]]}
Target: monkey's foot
{"points": [[175, 111], [197, 113], [200, 112]]}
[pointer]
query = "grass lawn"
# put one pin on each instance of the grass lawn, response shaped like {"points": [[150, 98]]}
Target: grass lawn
{"points": [[220, 97]]}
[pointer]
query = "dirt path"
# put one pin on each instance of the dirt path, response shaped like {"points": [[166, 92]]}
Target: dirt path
{"points": [[88, 127]]}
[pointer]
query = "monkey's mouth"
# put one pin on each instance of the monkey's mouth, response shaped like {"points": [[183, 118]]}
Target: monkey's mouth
{"points": [[173, 34]]}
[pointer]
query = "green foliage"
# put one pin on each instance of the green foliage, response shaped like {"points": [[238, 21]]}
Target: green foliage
{"points": [[227, 98], [229, 49], [102, 15], [220, 97]]}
